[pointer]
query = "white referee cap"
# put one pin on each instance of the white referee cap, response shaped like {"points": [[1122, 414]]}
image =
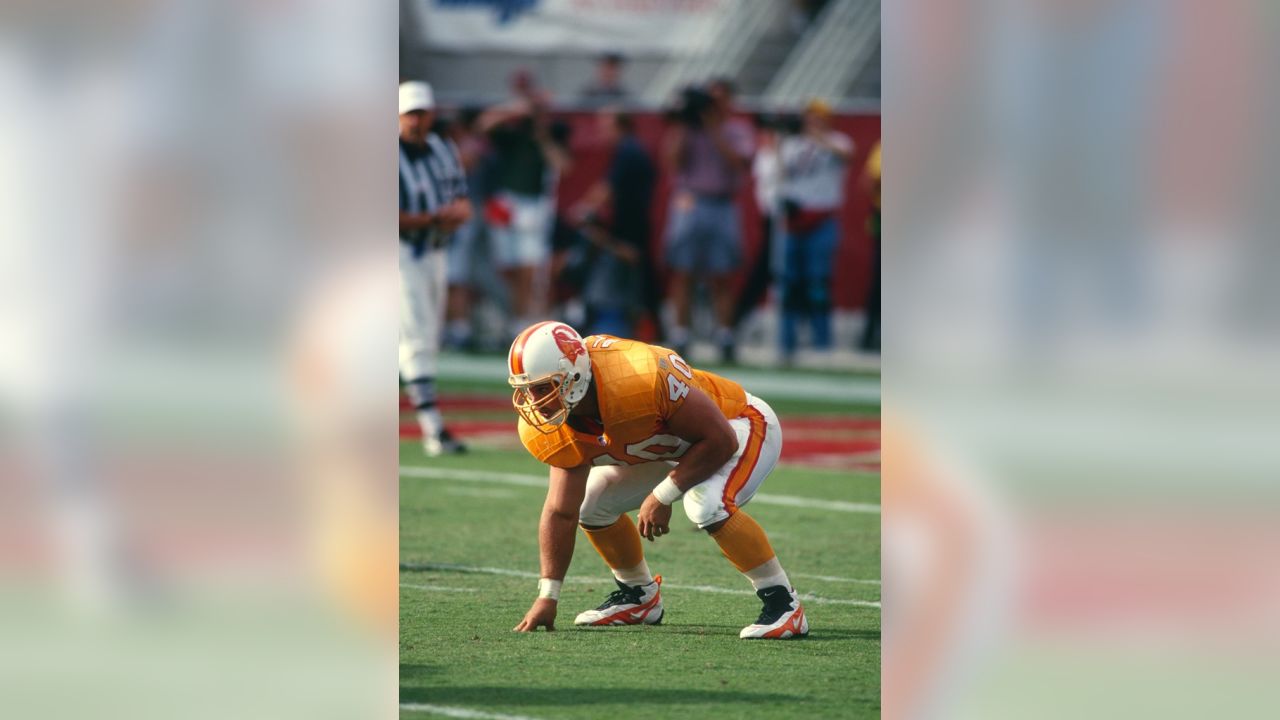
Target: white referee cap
{"points": [[416, 95]]}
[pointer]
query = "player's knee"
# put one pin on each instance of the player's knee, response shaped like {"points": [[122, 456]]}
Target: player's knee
{"points": [[713, 527], [593, 517], [705, 515]]}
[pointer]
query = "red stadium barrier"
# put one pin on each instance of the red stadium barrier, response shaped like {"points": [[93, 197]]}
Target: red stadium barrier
{"points": [[853, 259]]}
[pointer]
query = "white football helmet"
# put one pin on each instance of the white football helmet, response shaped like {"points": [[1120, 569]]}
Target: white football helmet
{"points": [[550, 372]]}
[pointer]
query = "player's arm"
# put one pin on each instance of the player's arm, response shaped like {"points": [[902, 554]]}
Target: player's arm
{"points": [[559, 524], [556, 533], [448, 219], [410, 222], [835, 143], [462, 209], [498, 114], [454, 215], [555, 156], [699, 421], [594, 199]]}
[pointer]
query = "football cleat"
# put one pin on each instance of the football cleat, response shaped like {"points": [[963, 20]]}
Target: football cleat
{"points": [[443, 444], [781, 618], [628, 605]]}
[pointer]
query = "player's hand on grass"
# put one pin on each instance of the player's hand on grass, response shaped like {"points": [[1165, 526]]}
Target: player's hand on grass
{"points": [[655, 518], [542, 614]]}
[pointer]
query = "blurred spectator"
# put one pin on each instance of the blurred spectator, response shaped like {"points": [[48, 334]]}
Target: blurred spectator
{"points": [[709, 152], [607, 88], [813, 172], [433, 205], [870, 341], [520, 213], [465, 250], [621, 281], [767, 175]]}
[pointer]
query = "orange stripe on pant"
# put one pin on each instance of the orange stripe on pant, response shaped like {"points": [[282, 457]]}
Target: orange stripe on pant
{"points": [[747, 462]]}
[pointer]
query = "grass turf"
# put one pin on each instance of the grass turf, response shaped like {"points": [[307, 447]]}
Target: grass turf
{"points": [[457, 648]]}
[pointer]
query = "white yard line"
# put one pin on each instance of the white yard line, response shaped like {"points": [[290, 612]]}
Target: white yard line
{"points": [[808, 597], [435, 473], [464, 475], [476, 569], [460, 712], [815, 504], [437, 588], [832, 578], [481, 492]]}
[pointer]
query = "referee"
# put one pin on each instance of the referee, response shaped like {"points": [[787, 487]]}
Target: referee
{"points": [[433, 204]]}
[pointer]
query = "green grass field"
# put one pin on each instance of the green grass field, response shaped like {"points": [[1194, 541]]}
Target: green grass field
{"points": [[469, 563]]}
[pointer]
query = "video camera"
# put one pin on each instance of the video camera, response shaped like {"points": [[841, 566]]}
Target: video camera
{"points": [[784, 123], [693, 103]]}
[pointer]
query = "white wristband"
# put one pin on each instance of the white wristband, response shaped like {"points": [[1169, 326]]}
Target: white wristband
{"points": [[667, 492], [548, 588]]}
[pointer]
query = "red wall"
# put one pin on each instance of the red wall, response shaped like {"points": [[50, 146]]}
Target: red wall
{"points": [[853, 259]]}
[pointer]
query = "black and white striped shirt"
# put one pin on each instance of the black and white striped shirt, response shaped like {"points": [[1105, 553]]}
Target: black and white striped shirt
{"points": [[431, 176]]}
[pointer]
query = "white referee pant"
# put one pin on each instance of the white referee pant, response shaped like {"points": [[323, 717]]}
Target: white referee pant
{"points": [[423, 286]]}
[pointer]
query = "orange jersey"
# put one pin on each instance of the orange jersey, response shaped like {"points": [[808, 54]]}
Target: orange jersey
{"points": [[638, 386]]}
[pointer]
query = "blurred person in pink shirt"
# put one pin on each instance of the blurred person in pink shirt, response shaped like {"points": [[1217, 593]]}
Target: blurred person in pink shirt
{"points": [[709, 153]]}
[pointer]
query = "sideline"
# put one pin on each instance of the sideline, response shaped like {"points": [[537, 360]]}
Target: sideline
{"points": [[523, 480], [767, 384]]}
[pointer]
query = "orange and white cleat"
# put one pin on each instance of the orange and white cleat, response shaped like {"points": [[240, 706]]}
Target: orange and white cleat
{"points": [[628, 605], [782, 617]]}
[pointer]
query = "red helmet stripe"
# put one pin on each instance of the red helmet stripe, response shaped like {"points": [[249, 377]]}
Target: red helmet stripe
{"points": [[516, 361]]}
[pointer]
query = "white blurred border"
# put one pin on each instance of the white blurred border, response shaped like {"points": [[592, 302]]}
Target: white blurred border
{"points": [[1079, 310], [197, 313]]}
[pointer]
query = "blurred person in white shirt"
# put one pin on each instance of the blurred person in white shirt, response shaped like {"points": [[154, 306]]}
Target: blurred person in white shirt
{"points": [[766, 175], [814, 162]]}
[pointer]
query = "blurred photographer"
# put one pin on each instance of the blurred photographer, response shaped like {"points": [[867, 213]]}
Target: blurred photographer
{"points": [[814, 163], [614, 217], [709, 153], [529, 157]]}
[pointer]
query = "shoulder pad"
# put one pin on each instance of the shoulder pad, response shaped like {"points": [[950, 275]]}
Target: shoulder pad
{"points": [[557, 448]]}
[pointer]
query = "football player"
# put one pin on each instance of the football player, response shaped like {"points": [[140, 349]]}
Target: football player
{"points": [[625, 426]]}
